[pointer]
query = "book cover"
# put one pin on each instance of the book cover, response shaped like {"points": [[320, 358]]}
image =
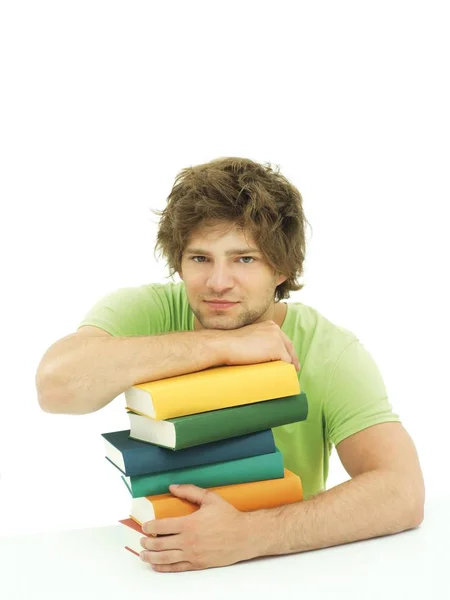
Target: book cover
{"points": [[254, 468], [243, 496], [135, 458], [193, 430], [213, 389]]}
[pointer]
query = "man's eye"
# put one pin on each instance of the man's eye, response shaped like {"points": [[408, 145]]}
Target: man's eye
{"points": [[201, 259]]}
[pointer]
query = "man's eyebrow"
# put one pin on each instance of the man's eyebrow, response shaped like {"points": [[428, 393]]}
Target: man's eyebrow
{"points": [[232, 251]]}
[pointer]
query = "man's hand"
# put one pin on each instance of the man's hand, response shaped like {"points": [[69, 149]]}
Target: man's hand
{"points": [[217, 534], [256, 343]]}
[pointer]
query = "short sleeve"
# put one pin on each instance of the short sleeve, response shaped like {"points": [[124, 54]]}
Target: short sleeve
{"points": [[356, 396], [129, 312]]}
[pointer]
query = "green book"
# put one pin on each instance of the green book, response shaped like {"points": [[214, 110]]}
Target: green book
{"points": [[253, 468], [202, 428]]}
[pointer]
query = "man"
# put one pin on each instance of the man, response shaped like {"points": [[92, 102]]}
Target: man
{"points": [[234, 231]]}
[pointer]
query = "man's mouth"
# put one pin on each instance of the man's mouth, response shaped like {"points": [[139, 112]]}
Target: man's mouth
{"points": [[220, 304]]}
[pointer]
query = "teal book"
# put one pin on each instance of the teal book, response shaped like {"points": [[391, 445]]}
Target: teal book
{"points": [[139, 458], [253, 468], [205, 427]]}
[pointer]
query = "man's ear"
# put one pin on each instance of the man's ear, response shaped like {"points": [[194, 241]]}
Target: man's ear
{"points": [[281, 279]]}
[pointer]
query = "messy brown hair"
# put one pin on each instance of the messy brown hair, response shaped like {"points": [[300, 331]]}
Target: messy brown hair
{"points": [[256, 197]]}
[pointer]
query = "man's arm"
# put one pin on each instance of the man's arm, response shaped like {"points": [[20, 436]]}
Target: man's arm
{"points": [[385, 495], [84, 371]]}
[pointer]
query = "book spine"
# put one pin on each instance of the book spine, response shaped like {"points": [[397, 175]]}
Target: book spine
{"points": [[255, 468]]}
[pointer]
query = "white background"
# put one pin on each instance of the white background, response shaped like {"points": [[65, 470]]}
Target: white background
{"points": [[102, 103]]}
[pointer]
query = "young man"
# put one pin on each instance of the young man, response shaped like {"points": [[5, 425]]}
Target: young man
{"points": [[234, 231]]}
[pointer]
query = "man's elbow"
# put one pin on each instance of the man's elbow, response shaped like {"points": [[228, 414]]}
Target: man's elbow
{"points": [[48, 405], [42, 389], [59, 404], [56, 395], [47, 402], [415, 490], [49, 393], [418, 513]]}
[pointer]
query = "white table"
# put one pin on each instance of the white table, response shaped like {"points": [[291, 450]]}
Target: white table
{"points": [[91, 563]]}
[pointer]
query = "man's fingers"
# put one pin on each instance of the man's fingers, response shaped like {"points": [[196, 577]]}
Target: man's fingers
{"points": [[174, 568], [161, 543], [164, 526], [167, 557]]}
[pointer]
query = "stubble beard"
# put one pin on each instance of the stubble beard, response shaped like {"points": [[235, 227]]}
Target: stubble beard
{"points": [[226, 322]]}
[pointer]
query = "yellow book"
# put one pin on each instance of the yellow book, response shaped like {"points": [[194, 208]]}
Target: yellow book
{"points": [[213, 389]]}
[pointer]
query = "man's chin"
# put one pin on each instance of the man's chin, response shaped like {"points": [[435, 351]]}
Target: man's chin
{"points": [[219, 324], [224, 322]]}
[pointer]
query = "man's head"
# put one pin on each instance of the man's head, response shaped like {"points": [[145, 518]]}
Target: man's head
{"points": [[226, 205]]}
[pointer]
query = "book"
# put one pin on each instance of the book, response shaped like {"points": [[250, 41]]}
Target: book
{"points": [[254, 468], [243, 496], [212, 389], [194, 430], [131, 534], [134, 458]]}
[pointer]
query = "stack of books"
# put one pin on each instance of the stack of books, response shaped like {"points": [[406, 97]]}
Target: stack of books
{"points": [[213, 429]]}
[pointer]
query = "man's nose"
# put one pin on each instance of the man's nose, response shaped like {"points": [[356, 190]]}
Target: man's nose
{"points": [[220, 278]]}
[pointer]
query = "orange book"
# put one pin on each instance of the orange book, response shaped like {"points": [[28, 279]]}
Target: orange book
{"points": [[243, 496], [213, 389]]}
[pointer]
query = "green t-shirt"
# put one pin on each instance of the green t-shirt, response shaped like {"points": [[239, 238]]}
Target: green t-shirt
{"points": [[343, 385]]}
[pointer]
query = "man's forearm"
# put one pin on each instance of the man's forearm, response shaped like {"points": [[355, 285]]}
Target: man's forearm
{"points": [[79, 375], [369, 505]]}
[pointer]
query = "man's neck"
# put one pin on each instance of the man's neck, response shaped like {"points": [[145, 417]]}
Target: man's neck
{"points": [[280, 310]]}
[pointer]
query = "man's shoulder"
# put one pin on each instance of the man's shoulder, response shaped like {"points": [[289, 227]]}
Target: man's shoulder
{"points": [[164, 292], [169, 300], [142, 310], [170, 289], [320, 343], [316, 334], [309, 318]]}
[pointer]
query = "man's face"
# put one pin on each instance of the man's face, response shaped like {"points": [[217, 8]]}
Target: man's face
{"points": [[228, 282]]}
